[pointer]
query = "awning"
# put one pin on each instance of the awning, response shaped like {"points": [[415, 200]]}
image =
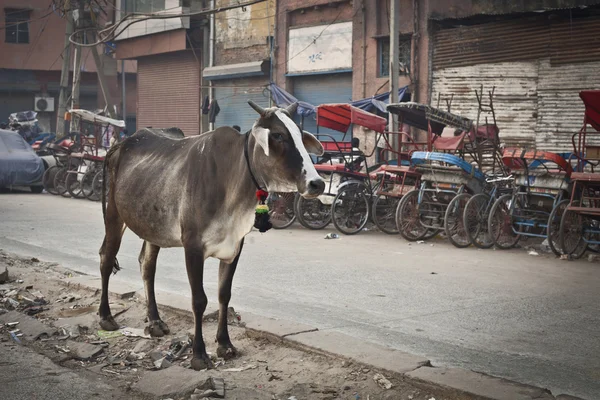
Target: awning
{"points": [[339, 117], [242, 70], [90, 117]]}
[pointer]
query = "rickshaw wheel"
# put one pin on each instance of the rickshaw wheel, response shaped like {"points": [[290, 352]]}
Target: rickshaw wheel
{"points": [[476, 221], [500, 224], [73, 185], [281, 209], [350, 209], [59, 182], [408, 221], [312, 213], [553, 229], [384, 213], [571, 233], [454, 222], [97, 184], [87, 185], [48, 179]]}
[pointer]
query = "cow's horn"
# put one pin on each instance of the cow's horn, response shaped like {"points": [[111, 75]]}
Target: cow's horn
{"points": [[256, 107], [292, 108]]}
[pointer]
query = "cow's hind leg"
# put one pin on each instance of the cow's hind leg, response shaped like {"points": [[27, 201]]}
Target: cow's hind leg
{"points": [[225, 348], [114, 228], [156, 327], [194, 262]]}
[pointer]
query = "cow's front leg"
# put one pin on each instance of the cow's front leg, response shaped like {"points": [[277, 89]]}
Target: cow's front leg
{"points": [[226, 272], [194, 262]]}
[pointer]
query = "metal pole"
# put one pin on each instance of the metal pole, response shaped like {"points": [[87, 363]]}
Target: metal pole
{"points": [[394, 66], [102, 80], [79, 23], [211, 58], [64, 75], [123, 92]]}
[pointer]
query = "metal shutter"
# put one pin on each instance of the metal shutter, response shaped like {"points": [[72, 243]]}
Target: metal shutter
{"points": [[169, 92], [233, 102], [323, 89]]}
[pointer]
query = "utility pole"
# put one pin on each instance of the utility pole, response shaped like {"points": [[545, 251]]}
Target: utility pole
{"points": [[102, 80], [79, 23], [394, 66], [64, 75], [123, 91]]}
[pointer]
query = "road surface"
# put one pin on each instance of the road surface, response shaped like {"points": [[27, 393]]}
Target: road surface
{"points": [[506, 313]]}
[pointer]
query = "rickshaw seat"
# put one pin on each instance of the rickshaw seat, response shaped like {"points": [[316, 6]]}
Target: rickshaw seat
{"points": [[92, 157], [449, 143], [331, 167]]}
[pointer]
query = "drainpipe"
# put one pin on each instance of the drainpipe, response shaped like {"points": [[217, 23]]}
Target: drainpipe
{"points": [[211, 56], [364, 57]]}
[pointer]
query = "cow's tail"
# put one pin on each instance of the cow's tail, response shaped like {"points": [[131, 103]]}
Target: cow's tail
{"points": [[105, 167]]}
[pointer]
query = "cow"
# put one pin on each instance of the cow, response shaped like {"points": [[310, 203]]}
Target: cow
{"points": [[199, 193]]}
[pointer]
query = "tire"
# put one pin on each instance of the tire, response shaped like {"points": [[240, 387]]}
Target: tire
{"points": [[59, 182], [500, 224], [36, 189], [454, 221], [281, 209], [87, 184], [48, 179], [571, 234], [350, 211], [553, 229], [312, 214], [73, 185], [384, 213], [475, 220], [97, 184], [408, 220]]}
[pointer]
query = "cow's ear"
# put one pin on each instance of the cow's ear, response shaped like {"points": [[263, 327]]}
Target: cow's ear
{"points": [[312, 144], [261, 135]]}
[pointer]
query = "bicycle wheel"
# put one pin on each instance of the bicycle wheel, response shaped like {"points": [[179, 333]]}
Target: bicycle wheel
{"points": [[476, 221], [553, 229], [384, 213], [408, 221], [500, 224], [48, 180], [312, 213], [571, 233], [281, 209], [454, 221], [97, 184], [87, 184], [350, 210], [59, 182], [73, 185]]}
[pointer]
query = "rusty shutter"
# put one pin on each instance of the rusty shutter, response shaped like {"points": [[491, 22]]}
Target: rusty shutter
{"points": [[575, 41], [233, 101], [169, 92]]}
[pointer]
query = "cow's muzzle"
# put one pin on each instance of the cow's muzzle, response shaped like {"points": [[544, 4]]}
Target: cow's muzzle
{"points": [[314, 188]]}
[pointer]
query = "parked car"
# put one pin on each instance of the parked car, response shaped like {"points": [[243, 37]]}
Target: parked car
{"points": [[19, 165]]}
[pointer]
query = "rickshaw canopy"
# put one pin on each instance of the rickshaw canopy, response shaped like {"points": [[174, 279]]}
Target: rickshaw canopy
{"points": [[92, 118], [591, 99], [421, 116], [339, 117]]}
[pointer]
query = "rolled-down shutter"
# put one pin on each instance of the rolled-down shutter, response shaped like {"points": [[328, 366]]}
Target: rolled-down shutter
{"points": [[233, 102], [169, 92], [323, 89]]}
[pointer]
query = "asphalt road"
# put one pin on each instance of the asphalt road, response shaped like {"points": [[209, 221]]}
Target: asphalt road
{"points": [[506, 313]]}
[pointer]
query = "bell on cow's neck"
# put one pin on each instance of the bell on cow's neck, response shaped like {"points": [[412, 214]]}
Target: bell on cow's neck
{"points": [[262, 218]]}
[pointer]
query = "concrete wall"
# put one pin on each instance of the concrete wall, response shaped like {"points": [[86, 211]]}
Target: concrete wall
{"points": [[150, 26]]}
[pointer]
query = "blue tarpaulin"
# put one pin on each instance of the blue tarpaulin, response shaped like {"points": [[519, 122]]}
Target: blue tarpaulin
{"points": [[371, 104], [19, 165]]}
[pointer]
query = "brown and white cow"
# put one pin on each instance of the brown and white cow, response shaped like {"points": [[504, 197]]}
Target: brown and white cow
{"points": [[198, 193]]}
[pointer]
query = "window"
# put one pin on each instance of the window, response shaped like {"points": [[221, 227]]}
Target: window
{"points": [[17, 25], [144, 6], [403, 54]]}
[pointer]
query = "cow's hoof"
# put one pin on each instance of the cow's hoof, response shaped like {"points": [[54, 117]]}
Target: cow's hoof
{"points": [[157, 328], [227, 352], [201, 362], [109, 324]]}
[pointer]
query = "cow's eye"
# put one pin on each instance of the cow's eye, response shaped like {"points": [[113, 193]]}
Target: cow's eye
{"points": [[277, 136]]}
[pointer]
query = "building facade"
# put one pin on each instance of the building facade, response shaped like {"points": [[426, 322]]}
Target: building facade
{"points": [[32, 44]]}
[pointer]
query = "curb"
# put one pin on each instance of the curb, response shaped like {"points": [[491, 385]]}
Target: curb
{"points": [[455, 383]]}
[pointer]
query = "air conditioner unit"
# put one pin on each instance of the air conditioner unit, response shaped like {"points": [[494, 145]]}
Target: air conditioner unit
{"points": [[44, 104]]}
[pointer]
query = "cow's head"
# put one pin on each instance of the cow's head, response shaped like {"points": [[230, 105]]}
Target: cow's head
{"points": [[282, 158]]}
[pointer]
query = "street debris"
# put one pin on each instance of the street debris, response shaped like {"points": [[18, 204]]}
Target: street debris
{"points": [[240, 369], [420, 241], [4, 275], [332, 236], [533, 253], [108, 334], [135, 332], [382, 381], [211, 388]]}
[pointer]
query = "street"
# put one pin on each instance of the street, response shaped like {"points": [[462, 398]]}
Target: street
{"points": [[532, 319]]}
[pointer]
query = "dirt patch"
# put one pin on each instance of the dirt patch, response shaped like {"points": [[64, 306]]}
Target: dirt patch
{"points": [[128, 358]]}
